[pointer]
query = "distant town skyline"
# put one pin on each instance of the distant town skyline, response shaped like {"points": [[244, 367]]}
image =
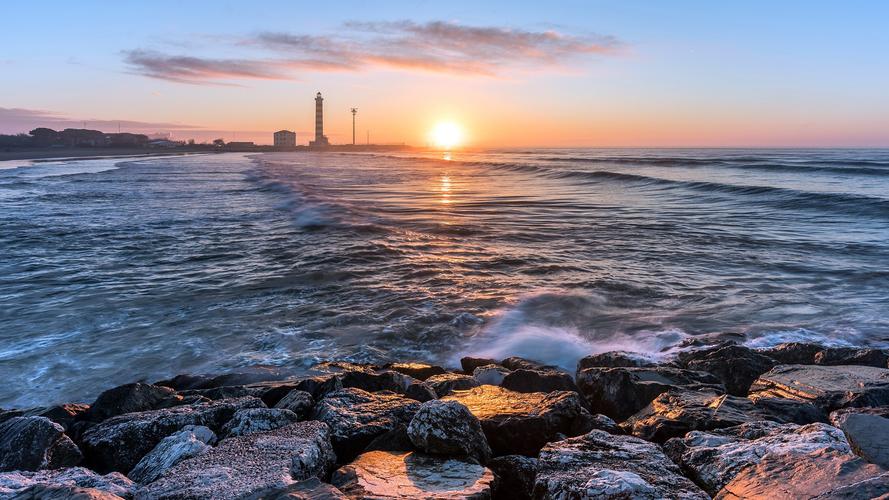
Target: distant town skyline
{"points": [[573, 73]]}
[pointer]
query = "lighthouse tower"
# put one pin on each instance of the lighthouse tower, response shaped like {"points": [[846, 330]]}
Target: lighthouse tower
{"points": [[320, 139]]}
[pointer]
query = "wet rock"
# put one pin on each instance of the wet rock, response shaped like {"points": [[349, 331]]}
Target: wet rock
{"points": [[714, 458], [867, 430], [448, 428], [187, 443], [469, 364], [615, 359], [64, 414], [601, 465], [378, 381], [245, 465], [64, 492], [515, 476], [517, 363], [828, 387], [523, 380], [621, 392], [520, 423], [16, 484], [490, 374], [446, 383], [587, 422], [226, 392], [120, 442], [736, 366], [356, 417], [257, 374], [250, 420], [420, 392], [793, 353], [7, 414], [318, 386], [389, 474], [308, 489], [33, 443], [131, 398], [394, 440], [419, 371], [833, 356], [297, 401]]}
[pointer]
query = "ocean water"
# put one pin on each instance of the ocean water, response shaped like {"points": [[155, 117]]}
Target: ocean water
{"points": [[115, 270]]}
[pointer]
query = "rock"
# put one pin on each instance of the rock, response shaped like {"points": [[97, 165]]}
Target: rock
{"points": [[821, 474], [736, 366], [356, 417], [257, 374], [828, 387], [250, 420], [520, 423], [33, 443], [587, 422], [299, 402], [308, 489], [190, 441], [7, 414], [318, 386], [713, 459], [64, 414], [615, 359], [420, 392], [16, 484], [390, 474], [469, 364], [419, 371], [448, 428], [394, 440], [246, 465], [131, 398], [449, 382], [621, 392], [867, 430], [678, 411], [120, 442], [517, 363], [515, 476], [833, 356], [523, 380], [226, 392], [490, 374], [601, 465], [377, 381], [64, 492], [793, 353]]}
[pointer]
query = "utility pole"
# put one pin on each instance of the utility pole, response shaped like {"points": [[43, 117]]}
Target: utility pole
{"points": [[354, 112]]}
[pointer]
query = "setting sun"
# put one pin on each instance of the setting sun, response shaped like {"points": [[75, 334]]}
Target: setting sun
{"points": [[446, 135]]}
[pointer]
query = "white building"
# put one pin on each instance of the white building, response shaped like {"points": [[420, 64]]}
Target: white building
{"points": [[285, 139]]}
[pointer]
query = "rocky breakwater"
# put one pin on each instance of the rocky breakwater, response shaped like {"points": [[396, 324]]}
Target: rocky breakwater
{"points": [[718, 421]]}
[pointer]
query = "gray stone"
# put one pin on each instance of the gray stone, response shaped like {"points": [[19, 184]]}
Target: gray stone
{"points": [[517, 363], [523, 380], [63, 492], [19, 482], [33, 443], [448, 382], [250, 420], [515, 476], [131, 398], [469, 364], [615, 359], [226, 392], [828, 387], [867, 430], [420, 392], [419, 371], [601, 465], [189, 442], [299, 402], [490, 374], [736, 366], [391, 474], [64, 414], [307, 489], [448, 428]]}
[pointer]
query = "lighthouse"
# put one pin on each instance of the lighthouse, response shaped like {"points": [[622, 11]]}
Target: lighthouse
{"points": [[320, 139]]}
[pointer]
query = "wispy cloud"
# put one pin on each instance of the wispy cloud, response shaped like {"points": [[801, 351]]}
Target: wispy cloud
{"points": [[17, 120], [438, 46]]}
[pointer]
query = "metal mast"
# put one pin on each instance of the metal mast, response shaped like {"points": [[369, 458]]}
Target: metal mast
{"points": [[354, 112]]}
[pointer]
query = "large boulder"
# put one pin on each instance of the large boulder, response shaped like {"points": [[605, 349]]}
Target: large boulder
{"points": [[523, 380], [490, 374], [828, 387], [446, 383], [448, 428], [620, 392], [714, 458], [802, 353], [250, 420], [736, 366], [867, 430], [515, 476], [65, 414], [190, 441], [21, 484], [117, 444], [521, 423], [131, 398], [601, 465], [356, 417], [396, 475], [241, 466], [297, 401], [33, 443], [419, 371], [615, 359], [307, 489], [469, 364], [63, 492]]}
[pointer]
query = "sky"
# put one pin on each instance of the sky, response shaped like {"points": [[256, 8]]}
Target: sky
{"points": [[509, 74]]}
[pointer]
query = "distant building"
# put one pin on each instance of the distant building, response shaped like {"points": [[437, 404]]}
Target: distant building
{"points": [[240, 145], [163, 143], [285, 139], [320, 138]]}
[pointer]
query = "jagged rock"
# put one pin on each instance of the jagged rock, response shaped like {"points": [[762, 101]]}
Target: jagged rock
{"points": [[250, 420], [678, 411], [515, 476], [446, 383], [391, 474], [190, 441], [523, 380], [226, 392], [793, 353], [297, 401], [33, 443], [394, 440], [448, 428], [469, 364], [828, 387], [833, 356], [344, 367], [586, 422], [120, 442], [520, 423], [714, 458], [245, 465], [736, 366], [318, 386], [621, 392], [356, 417], [63, 492], [615, 359], [419, 371], [420, 391], [867, 430], [517, 363], [64, 414], [131, 398], [821, 474], [7, 414], [308, 489], [257, 374], [17, 483], [490, 374], [386, 380], [601, 465]]}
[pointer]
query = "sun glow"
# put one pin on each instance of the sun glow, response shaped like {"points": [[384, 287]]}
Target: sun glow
{"points": [[446, 135]]}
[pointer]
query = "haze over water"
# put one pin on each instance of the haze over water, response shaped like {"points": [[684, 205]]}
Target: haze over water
{"points": [[118, 270]]}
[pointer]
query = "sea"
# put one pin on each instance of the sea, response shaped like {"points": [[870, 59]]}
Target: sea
{"points": [[114, 270]]}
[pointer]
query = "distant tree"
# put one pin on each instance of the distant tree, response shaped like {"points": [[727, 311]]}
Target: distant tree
{"points": [[218, 143], [191, 142], [16, 141], [45, 136]]}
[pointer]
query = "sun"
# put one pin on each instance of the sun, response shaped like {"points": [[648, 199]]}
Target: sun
{"points": [[446, 135]]}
